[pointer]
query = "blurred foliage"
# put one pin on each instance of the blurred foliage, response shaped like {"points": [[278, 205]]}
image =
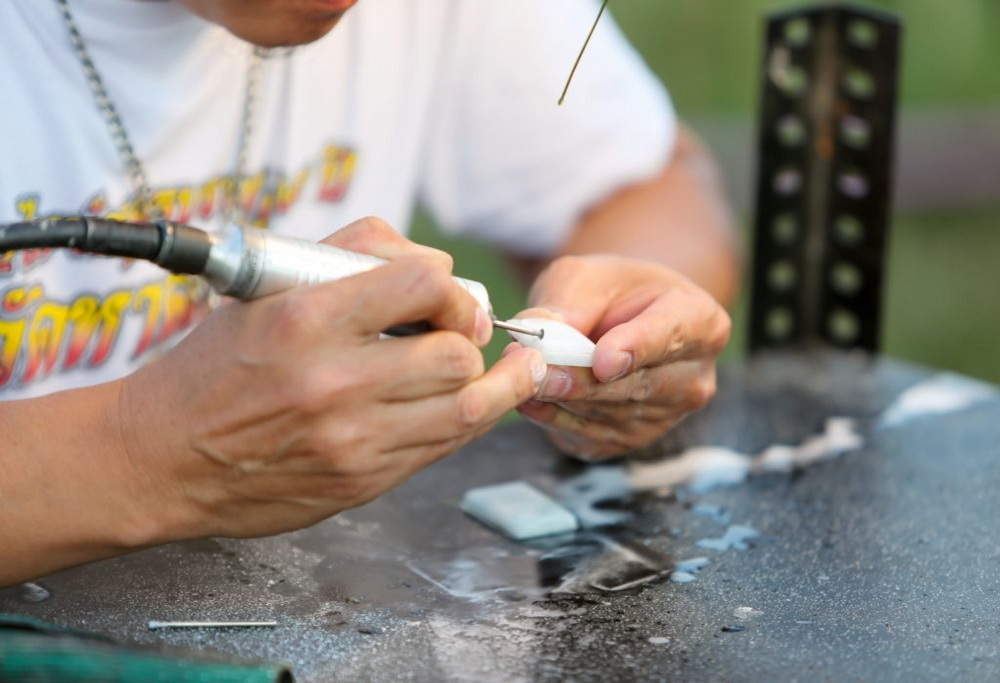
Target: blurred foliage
{"points": [[708, 51], [941, 305], [944, 269]]}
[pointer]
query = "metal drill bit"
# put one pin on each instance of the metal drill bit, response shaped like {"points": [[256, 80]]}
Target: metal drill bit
{"points": [[517, 328], [153, 625]]}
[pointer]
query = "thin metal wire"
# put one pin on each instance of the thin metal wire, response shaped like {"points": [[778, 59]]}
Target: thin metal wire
{"points": [[582, 50], [154, 625]]}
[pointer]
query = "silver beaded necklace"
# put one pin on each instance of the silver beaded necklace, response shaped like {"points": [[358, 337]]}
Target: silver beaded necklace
{"points": [[119, 135]]}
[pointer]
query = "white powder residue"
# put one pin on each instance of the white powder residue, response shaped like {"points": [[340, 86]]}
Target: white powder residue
{"points": [[707, 467], [693, 565], [838, 437], [685, 570], [736, 537], [598, 483], [941, 394], [746, 613], [701, 468]]}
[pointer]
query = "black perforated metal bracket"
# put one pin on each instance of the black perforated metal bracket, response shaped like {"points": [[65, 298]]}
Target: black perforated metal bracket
{"points": [[824, 177]]}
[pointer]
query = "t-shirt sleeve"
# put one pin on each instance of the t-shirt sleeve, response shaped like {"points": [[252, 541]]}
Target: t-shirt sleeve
{"points": [[505, 163]]}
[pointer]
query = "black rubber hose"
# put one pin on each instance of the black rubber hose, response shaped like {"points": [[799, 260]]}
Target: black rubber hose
{"points": [[178, 248]]}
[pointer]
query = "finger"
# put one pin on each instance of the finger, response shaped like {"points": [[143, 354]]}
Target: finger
{"points": [[510, 348], [592, 439], [371, 235], [573, 441], [460, 416], [683, 323], [422, 365], [617, 413], [573, 287], [682, 381], [409, 289], [538, 312]]}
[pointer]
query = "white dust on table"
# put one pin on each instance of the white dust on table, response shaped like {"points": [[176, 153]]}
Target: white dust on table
{"points": [[745, 613], [941, 394], [480, 575], [712, 512], [737, 537], [597, 483], [705, 468], [685, 571]]}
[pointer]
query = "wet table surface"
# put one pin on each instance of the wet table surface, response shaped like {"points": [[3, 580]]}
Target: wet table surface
{"points": [[880, 560]]}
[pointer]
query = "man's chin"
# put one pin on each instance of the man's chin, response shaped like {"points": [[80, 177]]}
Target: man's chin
{"points": [[286, 34]]}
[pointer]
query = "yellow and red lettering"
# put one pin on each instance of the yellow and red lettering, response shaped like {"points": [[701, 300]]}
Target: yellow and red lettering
{"points": [[44, 339], [170, 306], [338, 171], [95, 323]]}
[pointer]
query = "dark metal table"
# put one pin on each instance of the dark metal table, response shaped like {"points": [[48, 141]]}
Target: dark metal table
{"points": [[881, 563]]}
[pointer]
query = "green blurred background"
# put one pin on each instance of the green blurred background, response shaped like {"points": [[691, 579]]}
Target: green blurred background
{"points": [[943, 278]]}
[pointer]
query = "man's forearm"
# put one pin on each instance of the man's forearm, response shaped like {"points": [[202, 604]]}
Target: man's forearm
{"points": [[68, 492], [679, 219]]}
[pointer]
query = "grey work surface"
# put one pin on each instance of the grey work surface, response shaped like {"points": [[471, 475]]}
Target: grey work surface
{"points": [[883, 563]]}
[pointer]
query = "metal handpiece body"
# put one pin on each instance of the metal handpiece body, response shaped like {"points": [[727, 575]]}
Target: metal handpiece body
{"points": [[248, 263]]}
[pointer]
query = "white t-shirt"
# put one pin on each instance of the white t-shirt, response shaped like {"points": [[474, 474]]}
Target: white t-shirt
{"points": [[448, 102]]}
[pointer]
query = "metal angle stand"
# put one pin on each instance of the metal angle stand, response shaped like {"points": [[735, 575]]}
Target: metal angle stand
{"points": [[824, 177]]}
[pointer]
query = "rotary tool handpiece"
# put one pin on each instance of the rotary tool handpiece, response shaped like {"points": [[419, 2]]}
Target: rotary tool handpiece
{"points": [[248, 263], [241, 262]]}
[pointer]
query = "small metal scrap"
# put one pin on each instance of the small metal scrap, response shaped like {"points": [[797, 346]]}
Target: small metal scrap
{"points": [[155, 625]]}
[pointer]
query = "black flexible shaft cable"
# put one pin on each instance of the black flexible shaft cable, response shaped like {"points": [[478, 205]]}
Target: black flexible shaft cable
{"points": [[178, 248]]}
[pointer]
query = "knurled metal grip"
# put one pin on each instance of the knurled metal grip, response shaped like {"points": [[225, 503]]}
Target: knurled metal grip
{"points": [[824, 177]]}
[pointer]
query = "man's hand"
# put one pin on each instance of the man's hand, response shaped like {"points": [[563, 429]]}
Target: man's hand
{"points": [[658, 336], [277, 413], [271, 415]]}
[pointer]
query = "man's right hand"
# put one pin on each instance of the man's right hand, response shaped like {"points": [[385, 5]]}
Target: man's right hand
{"points": [[271, 415], [274, 414]]}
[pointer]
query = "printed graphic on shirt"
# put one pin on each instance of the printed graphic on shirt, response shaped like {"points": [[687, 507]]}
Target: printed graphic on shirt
{"points": [[261, 196], [42, 334]]}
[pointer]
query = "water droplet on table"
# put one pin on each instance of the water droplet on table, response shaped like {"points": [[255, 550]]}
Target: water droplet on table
{"points": [[33, 592]]}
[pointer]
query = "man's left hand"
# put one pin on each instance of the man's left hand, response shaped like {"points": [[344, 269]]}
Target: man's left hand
{"points": [[658, 336]]}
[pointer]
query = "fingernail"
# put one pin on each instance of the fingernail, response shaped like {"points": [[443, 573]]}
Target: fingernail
{"points": [[556, 385], [538, 370], [484, 327], [622, 365]]}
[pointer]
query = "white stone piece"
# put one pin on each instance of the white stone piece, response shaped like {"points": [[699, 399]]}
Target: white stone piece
{"points": [[518, 510], [562, 344]]}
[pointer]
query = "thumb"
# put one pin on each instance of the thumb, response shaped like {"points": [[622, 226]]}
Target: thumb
{"points": [[572, 290], [371, 235]]}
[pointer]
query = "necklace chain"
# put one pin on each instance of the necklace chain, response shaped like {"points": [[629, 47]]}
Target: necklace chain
{"points": [[123, 143]]}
